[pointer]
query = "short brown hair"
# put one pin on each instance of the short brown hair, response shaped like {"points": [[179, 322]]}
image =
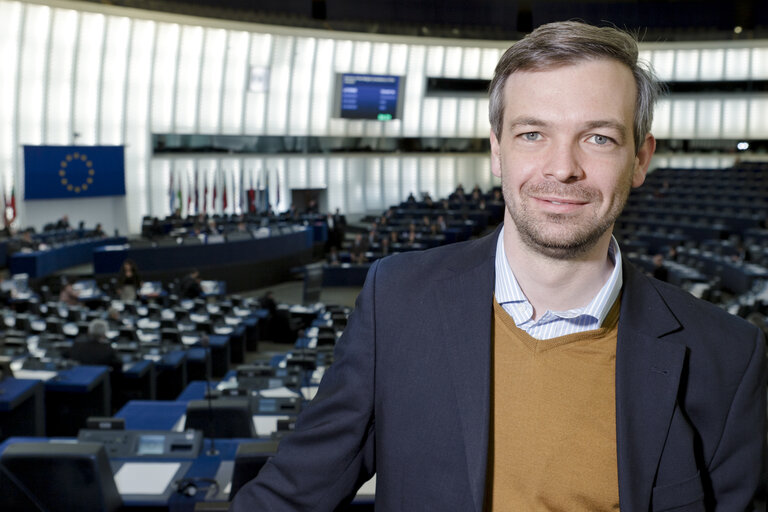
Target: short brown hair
{"points": [[563, 43]]}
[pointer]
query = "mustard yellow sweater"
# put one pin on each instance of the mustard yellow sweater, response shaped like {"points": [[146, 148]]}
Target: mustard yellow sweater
{"points": [[553, 428]]}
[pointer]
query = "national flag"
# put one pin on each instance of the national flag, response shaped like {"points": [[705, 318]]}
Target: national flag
{"points": [[215, 188], [13, 203], [243, 197], [224, 193], [178, 197], [189, 194], [197, 192], [277, 189], [257, 194], [5, 209], [205, 191], [266, 193], [171, 195]]}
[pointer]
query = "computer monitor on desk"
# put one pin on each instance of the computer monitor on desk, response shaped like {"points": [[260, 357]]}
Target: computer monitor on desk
{"points": [[5, 367], [267, 377], [229, 417], [249, 459], [57, 476], [143, 444], [213, 287]]}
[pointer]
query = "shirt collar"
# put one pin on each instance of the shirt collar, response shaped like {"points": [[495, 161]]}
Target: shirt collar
{"points": [[508, 291]]}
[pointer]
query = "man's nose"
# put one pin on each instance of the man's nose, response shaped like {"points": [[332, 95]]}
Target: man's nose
{"points": [[565, 162]]}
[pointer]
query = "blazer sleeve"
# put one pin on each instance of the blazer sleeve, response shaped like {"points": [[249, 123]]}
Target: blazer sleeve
{"points": [[739, 462], [330, 454]]}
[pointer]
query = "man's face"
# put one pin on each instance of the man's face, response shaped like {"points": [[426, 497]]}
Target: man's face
{"points": [[566, 156]]}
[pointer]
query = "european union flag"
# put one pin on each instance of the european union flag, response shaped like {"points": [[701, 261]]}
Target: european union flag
{"points": [[71, 172]]}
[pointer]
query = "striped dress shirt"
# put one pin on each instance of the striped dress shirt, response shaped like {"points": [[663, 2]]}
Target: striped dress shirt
{"points": [[555, 323]]}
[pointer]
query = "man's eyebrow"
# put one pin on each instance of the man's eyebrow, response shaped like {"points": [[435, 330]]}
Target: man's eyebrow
{"points": [[614, 125], [527, 121]]}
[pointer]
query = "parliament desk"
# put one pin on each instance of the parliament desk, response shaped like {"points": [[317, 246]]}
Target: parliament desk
{"points": [[245, 264], [253, 325], [171, 414], [212, 359], [4, 253], [221, 353], [345, 274], [72, 395], [157, 468], [151, 476], [678, 274], [195, 390], [238, 341], [198, 363], [171, 374], [139, 380], [736, 276], [43, 263], [22, 409], [153, 414], [689, 230]]}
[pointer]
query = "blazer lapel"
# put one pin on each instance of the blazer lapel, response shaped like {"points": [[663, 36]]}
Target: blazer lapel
{"points": [[647, 378], [465, 301]]}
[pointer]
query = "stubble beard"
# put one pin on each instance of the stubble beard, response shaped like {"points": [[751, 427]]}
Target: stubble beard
{"points": [[561, 236]]}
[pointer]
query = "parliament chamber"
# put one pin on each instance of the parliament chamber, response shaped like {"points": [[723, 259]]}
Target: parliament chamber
{"points": [[148, 358]]}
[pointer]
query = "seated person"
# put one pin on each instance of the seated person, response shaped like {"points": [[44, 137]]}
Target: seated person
{"points": [[660, 272], [99, 231], [190, 287], [267, 301], [128, 280], [26, 243], [95, 349], [68, 295], [333, 256], [63, 222], [358, 249]]}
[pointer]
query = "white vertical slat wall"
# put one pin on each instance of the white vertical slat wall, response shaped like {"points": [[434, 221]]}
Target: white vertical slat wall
{"points": [[93, 74]]}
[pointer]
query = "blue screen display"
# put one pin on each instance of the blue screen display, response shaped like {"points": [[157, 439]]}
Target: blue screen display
{"points": [[369, 96]]}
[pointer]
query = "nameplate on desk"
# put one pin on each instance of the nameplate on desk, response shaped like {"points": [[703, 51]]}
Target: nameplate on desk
{"points": [[34, 374], [149, 478], [266, 425], [147, 444]]}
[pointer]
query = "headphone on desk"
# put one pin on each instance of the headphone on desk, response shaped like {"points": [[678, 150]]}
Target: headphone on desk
{"points": [[190, 486]]}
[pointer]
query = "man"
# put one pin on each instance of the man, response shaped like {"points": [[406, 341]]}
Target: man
{"points": [[358, 249], [190, 287], [95, 349], [535, 369], [660, 271]]}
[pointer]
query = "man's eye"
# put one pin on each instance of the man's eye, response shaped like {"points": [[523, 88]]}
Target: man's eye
{"points": [[600, 140], [531, 136]]}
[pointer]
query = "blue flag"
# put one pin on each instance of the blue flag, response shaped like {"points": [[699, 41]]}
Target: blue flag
{"points": [[71, 172]]}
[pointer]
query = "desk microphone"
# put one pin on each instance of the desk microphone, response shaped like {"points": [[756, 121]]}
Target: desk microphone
{"points": [[205, 342]]}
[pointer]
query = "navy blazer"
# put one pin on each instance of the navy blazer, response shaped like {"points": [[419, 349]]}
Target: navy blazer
{"points": [[407, 397]]}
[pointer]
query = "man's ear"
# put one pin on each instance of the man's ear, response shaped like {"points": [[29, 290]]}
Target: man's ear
{"points": [[495, 156], [643, 160]]}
